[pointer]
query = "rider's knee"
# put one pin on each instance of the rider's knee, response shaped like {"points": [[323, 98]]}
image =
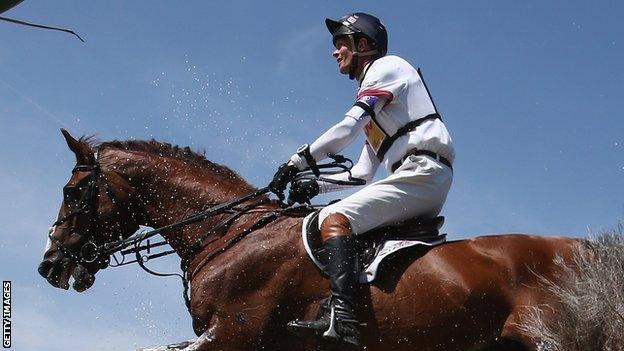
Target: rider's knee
{"points": [[334, 225]]}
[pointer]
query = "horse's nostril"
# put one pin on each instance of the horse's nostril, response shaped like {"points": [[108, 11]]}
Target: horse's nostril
{"points": [[83, 280], [44, 268], [54, 274], [52, 269]]}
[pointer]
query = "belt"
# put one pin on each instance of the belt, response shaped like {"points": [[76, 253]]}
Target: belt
{"points": [[417, 152]]}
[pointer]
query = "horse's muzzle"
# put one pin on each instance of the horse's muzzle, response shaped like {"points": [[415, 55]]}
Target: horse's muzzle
{"points": [[56, 271]]}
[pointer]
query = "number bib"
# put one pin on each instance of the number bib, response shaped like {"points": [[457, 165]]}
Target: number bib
{"points": [[374, 135]]}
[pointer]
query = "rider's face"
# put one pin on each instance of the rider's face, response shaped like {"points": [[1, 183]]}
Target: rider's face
{"points": [[343, 54]]}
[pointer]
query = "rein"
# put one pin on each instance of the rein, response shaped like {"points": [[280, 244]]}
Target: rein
{"points": [[115, 246], [89, 252], [136, 240], [339, 166]]}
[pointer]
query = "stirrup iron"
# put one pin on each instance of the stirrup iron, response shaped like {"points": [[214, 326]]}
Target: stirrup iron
{"points": [[331, 332]]}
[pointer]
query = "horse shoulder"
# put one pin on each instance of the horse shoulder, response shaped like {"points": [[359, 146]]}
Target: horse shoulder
{"points": [[255, 279]]}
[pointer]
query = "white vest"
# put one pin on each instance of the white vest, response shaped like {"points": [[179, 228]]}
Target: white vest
{"points": [[407, 100]]}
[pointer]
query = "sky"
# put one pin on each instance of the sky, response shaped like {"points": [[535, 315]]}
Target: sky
{"points": [[531, 92]]}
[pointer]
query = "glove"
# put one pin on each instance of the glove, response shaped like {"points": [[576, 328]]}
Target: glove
{"points": [[302, 191], [284, 175]]}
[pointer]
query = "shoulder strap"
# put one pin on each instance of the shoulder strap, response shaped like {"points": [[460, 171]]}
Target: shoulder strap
{"points": [[427, 89], [385, 145], [365, 71], [371, 112]]}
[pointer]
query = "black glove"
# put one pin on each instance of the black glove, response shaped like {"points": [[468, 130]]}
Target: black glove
{"points": [[284, 175], [302, 191]]}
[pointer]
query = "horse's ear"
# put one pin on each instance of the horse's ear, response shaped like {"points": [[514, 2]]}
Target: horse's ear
{"points": [[84, 152]]}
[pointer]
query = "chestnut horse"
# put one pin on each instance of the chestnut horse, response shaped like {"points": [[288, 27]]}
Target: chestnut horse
{"points": [[462, 295]]}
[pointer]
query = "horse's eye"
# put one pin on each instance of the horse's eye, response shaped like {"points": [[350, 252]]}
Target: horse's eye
{"points": [[71, 193]]}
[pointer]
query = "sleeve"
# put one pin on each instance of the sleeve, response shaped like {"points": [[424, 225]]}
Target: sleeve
{"points": [[384, 79], [335, 138], [364, 169], [343, 133]]}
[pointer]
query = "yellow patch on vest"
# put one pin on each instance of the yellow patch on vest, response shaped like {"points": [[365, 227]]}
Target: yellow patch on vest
{"points": [[374, 135]]}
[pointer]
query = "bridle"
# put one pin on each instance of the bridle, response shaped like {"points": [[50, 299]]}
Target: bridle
{"points": [[90, 251]]}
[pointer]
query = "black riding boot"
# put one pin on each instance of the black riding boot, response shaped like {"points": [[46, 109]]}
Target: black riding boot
{"points": [[337, 321]]}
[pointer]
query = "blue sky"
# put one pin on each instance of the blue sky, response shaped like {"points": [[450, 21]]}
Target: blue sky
{"points": [[531, 92]]}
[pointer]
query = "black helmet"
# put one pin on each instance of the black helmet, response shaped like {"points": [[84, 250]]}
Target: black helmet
{"points": [[361, 24]]}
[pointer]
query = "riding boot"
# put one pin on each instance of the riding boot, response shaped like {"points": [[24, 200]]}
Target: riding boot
{"points": [[337, 321]]}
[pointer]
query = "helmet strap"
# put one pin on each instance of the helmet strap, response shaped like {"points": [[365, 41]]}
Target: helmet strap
{"points": [[355, 59], [356, 56]]}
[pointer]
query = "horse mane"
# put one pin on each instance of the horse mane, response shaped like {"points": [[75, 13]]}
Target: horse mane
{"points": [[163, 149]]}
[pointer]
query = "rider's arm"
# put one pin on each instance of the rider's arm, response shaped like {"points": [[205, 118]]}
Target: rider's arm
{"points": [[342, 134], [364, 169]]}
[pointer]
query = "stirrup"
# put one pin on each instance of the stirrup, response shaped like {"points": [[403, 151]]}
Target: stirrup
{"points": [[331, 333], [328, 322]]}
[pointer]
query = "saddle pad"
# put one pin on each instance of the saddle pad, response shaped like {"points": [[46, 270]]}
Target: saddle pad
{"points": [[389, 247], [314, 247]]}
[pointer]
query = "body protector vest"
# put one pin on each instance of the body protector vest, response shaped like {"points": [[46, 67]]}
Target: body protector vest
{"points": [[377, 137]]}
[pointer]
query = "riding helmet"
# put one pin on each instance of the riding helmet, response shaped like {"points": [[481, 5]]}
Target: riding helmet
{"points": [[360, 24]]}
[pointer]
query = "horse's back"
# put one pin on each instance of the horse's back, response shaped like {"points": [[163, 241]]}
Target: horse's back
{"points": [[520, 258], [472, 284], [486, 259]]}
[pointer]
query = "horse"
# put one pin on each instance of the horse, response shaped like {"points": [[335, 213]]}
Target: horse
{"points": [[462, 295]]}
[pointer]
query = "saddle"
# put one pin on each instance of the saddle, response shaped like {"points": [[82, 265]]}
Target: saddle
{"points": [[375, 245]]}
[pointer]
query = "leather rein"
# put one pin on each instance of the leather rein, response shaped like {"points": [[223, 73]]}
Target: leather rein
{"points": [[90, 251]]}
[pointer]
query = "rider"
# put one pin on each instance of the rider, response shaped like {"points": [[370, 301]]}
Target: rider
{"points": [[403, 132]]}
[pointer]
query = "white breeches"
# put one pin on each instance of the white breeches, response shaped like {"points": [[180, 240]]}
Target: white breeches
{"points": [[417, 188]]}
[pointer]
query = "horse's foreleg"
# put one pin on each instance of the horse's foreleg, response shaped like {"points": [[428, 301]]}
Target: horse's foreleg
{"points": [[216, 337], [235, 329], [206, 341], [171, 347]]}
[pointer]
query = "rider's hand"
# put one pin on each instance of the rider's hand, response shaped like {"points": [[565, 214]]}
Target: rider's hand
{"points": [[302, 191], [284, 175]]}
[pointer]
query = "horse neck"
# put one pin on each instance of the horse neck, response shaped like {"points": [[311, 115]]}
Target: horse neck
{"points": [[169, 189]]}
